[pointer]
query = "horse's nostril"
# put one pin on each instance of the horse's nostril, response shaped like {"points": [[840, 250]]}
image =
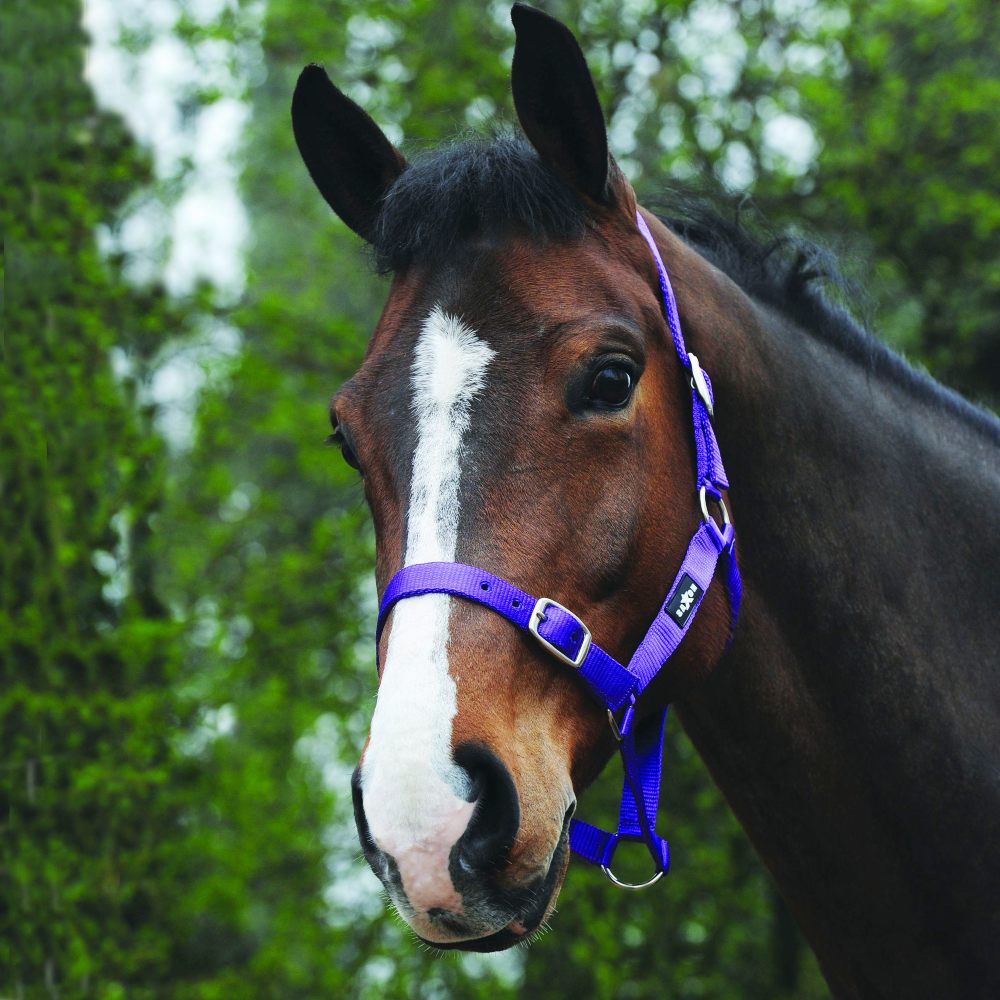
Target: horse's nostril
{"points": [[489, 837]]}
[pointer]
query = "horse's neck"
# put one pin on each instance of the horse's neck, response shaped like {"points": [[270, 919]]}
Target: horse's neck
{"points": [[854, 724]]}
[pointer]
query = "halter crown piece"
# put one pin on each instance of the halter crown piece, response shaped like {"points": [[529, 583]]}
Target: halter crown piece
{"points": [[566, 638]]}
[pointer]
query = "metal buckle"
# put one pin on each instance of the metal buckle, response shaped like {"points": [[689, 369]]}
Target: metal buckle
{"points": [[699, 384], [538, 613], [703, 498], [619, 731], [629, 885]]}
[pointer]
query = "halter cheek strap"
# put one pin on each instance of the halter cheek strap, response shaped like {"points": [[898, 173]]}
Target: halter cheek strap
{"points": [[563, 635]]}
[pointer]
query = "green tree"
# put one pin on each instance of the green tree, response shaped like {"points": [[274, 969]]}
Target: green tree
{"points": [[909, 163], [89, 779]]}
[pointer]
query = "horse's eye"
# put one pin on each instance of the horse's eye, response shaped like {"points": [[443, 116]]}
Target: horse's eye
{"points": [[612, 386], [339, 438], [349, 457]]}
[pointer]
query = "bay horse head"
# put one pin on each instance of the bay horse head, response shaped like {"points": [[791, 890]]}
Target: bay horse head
{"points": [[520, 407]]}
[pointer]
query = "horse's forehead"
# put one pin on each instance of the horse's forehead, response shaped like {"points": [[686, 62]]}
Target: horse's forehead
{"points": [[512, 292]]}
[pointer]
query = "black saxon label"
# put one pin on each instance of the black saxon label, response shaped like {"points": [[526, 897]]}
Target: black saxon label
{"points": [[683, 601]]}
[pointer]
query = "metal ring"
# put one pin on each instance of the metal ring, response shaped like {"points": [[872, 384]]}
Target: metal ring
{"points": [[703, 498], [618, 731], [615, 728], [628, 885]]}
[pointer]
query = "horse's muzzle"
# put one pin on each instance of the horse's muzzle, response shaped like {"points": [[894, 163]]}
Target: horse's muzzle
{"points": [[471, 904]]}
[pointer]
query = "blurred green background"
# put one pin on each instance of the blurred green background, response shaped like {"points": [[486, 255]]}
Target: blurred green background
{"points": [[185, 572]]}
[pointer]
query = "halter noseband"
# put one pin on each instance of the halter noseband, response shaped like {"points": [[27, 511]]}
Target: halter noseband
{"points": [[566, 638]]}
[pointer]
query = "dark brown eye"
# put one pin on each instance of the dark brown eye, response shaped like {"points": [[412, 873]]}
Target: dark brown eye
{"points": [[612, 386], [340, 440]]}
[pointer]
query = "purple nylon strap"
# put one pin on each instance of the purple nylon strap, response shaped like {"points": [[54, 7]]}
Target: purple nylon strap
{"points": [[711, 474], [664, 635], [558, 627], [565, 637]]}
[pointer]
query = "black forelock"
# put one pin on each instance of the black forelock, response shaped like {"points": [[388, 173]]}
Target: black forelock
{"points": [[477, 185]]}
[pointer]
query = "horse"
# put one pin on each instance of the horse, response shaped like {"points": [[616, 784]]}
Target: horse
{"points": [[520, 408]]}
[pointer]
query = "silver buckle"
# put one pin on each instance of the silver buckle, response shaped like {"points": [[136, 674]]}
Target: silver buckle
{"points": [[699, 384], [538, 613]]}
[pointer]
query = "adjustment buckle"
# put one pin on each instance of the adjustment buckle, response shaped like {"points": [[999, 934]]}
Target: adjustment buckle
{"points": [[699, 384], [538, 616]]}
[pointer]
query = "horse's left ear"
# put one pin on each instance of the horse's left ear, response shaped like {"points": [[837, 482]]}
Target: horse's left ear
{"points": [[557, 104]]}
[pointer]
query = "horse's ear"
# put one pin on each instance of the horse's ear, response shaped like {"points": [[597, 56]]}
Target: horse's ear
{"points": [[557, 104], [348, 155]]}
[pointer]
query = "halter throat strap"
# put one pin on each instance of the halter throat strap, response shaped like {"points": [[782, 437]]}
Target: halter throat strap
{"points": [[565, 637]]}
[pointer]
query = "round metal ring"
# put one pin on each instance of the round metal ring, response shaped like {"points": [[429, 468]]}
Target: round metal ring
{"points": [[628, 885], [703, 497]]}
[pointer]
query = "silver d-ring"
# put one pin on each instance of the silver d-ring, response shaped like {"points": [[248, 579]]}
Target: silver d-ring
{"points": [[628, 885], [615, 728], [703, 498]]}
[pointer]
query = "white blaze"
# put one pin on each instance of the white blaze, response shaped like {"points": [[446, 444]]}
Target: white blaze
{"points": [[414, 793]]}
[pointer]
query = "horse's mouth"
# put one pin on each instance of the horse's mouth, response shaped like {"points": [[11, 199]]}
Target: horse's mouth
{"points": [[520, 928], [514, 933], [498, 941]]}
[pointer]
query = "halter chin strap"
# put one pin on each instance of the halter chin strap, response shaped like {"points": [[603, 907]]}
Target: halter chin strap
{"points": [[565, 636]]}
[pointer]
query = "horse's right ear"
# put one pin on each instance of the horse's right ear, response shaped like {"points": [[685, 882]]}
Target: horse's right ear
{"points": [[348, 155]]}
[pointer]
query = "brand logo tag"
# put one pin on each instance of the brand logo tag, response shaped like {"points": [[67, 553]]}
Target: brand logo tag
{"points": [[683, 600]]}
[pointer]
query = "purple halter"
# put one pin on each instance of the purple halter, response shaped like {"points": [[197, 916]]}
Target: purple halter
{"points": [[566, 638]]}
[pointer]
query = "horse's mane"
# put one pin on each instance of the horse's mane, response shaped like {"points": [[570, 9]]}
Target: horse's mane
{"points": [[496, 183], [795, 276]]}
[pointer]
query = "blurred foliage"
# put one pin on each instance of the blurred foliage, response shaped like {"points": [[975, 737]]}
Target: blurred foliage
{"points": [[89, 658], [185, 640], [909, 163]]}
